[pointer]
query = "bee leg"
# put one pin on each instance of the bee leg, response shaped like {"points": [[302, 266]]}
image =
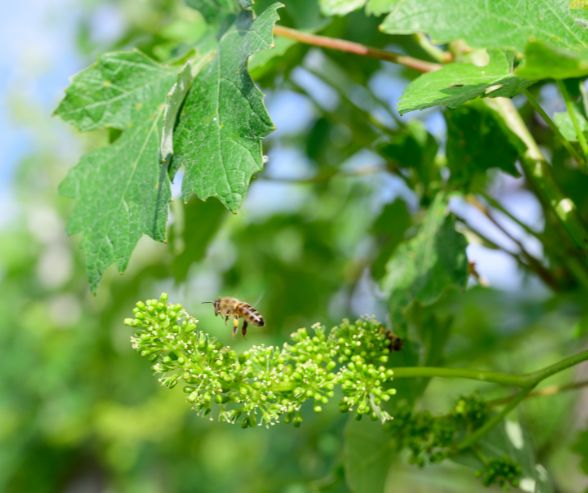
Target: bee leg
{"points": [[235, 325], [244, 328], [226, 319]]}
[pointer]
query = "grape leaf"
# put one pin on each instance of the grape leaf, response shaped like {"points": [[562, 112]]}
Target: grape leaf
{"points": [[424, 267], [501, 24], [543, 61], [340, 7], [566, 126], [368, 452], [121, 190], [190, 241], [378, 7], [112, 91], [457, 83], [412, 147], [388, 230], [218, 137], [580, 447], [214, 11], [476, 142]]}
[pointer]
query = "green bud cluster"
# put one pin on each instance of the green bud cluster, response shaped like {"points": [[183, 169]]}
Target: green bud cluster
{"points": [[266, 383], [430, 439], [501, 472]]}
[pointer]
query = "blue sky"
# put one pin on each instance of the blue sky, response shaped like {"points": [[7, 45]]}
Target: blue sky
{"points": [[37, 58]]}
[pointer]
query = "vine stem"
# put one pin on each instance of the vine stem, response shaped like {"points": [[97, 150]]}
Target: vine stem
{"points": [[554, 128], [494, 420], [442, 372], [538, 172], [527, 382], [524, 380], [547, 279], [544, 392], [327, 175], [533, 261], [572, 112], [499, 206], [355, 48]]}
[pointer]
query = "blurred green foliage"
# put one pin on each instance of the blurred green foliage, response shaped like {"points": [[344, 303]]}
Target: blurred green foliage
{"points": [[80, 411]]}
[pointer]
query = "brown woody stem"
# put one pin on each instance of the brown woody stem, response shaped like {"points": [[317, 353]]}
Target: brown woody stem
{"points": [[355, 48]]}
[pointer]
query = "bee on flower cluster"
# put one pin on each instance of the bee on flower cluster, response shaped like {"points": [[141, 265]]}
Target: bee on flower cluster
{"points": [[228, 307], [395, 343]]}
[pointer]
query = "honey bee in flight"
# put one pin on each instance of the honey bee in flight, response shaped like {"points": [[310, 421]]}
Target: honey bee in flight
{"points": [[228, 307]]}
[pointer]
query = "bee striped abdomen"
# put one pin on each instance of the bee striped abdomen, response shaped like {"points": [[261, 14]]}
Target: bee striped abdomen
{"points": [[251, 314]]}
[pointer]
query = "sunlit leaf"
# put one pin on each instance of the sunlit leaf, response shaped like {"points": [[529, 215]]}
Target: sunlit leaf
{"points": [[457, 83], [218, 138], [498, 24], [543, 61], [115, 91], [122, 190]]}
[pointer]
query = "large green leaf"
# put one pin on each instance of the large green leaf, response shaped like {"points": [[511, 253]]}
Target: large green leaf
{"points": [[121, 190], [501, 24], [424, 267], [368, 453], [457, 83], [476, 142], [543, 61], [218, 138], [114, 90], [189, 241]]}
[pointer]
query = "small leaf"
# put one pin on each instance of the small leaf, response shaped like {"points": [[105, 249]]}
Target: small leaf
{"points": [[413, 147], [340, 7], [543, 61], [498, 24], [423, 268], [214, 10], [113, 91], [379, 7], [566, 126], [389, 229], [580, 447], [218, 137], [457, 83], [477, 142]]}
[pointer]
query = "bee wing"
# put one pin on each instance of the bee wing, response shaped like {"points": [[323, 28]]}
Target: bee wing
{"points": [[259, 298]]}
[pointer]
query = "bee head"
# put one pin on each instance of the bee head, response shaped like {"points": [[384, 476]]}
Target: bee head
{"points": [[215, 304]]}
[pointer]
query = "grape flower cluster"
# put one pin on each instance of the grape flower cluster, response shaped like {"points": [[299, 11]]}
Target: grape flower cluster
{"points": [[265, 384]]}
